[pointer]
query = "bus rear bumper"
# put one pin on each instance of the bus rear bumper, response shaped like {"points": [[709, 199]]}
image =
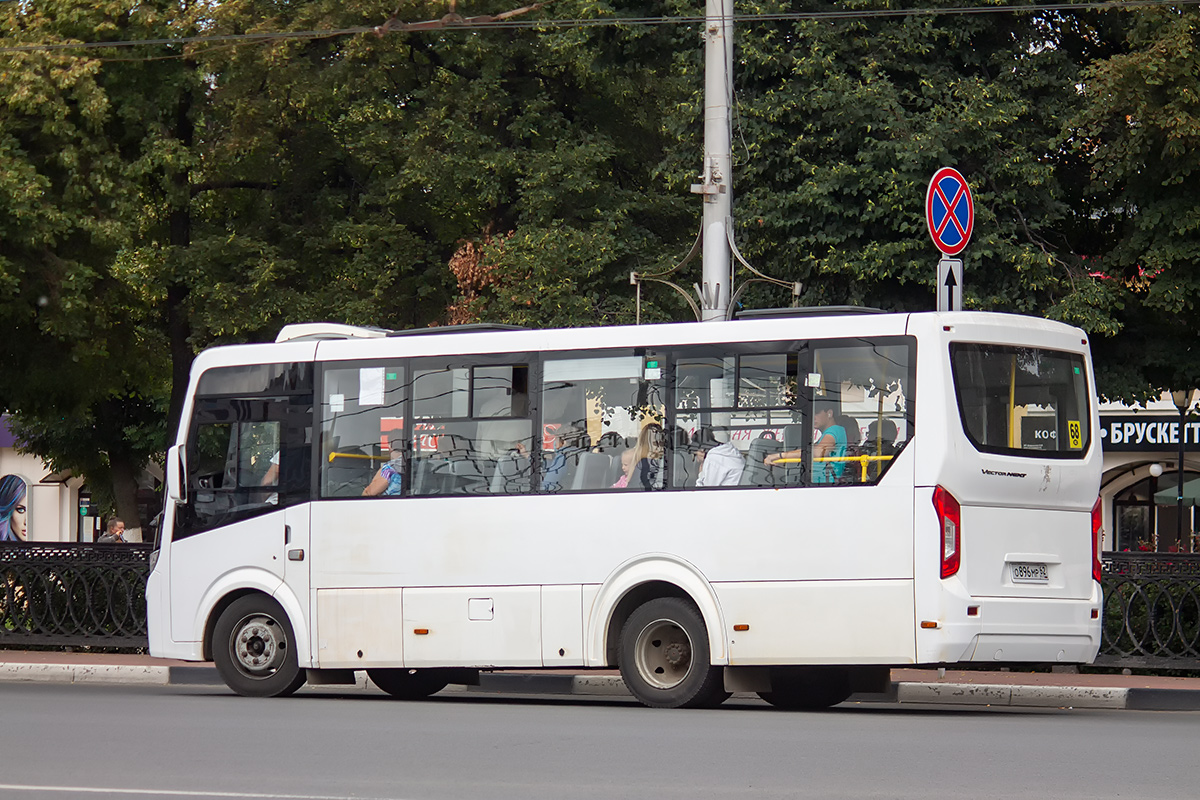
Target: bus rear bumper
{"points": [[996, 630], [1036, 630]]}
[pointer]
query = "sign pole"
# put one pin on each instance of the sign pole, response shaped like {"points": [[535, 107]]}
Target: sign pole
{"points": [[950, 215]]}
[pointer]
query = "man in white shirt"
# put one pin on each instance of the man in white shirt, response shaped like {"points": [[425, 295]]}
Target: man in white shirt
{"points": [[722, 464]]}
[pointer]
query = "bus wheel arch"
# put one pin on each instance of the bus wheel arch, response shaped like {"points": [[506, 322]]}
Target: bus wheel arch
{"points": [[214, 614], [253, 645], [635, 583]]}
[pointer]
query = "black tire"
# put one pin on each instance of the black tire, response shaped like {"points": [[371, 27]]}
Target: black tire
{"points": [[808, 688], [409, 684], [664, 656], [254, 648]]}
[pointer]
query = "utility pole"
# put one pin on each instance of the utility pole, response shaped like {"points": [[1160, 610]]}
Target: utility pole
{"points": [[717, 186]]}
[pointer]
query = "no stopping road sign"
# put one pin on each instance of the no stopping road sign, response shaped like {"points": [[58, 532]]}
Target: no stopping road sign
{"points": [[949, 211]]}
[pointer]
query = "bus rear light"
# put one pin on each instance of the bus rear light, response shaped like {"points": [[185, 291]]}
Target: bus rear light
{"points": [[949, 515], [1097, 535]]}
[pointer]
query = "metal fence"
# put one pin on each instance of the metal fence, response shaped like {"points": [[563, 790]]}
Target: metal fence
{"points": [[73, 594], [76, 595], [1151, 611]]}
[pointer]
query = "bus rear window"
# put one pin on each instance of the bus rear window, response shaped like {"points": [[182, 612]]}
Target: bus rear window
{"points": [[1022, 400]]}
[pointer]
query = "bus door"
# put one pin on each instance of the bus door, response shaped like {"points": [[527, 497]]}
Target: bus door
{"points": [[246, 522]]}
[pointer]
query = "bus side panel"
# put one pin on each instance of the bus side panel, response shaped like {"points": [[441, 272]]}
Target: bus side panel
{"points": [[359, 628], [819, 622], [822, 533], [204, 567], [562, 625], [482, 626]]}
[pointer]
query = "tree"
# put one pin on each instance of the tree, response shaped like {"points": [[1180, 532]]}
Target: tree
{"points": [[845, 121], [1140, 131], [73, 134]]}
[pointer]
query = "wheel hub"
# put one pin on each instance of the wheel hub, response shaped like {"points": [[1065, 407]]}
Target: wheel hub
{"points": [[677, 653], [663, 654], [258, 645]]}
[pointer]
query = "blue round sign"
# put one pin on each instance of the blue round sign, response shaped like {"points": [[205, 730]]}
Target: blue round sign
{"points": [[949, 211]]}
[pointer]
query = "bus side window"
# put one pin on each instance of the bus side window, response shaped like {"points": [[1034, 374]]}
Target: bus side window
{"points": [[588, 406], [472, 431], [239, 469], [745, 399], [860, 406], [362, 412]]}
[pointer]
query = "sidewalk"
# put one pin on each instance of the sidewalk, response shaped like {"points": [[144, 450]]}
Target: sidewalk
{"points": [[1017, 689]]}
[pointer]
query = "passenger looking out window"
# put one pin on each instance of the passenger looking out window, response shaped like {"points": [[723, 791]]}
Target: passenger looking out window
{"points": [[830, 445], [389, 481]]}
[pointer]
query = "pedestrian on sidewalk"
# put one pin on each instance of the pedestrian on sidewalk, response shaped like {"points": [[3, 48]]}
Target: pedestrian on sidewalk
{"points": [[114, 533]]}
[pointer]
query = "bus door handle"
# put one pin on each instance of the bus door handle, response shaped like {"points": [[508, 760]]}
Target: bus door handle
{"points": [[287, 534]]}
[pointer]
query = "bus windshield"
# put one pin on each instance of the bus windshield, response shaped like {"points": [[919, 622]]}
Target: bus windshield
{"points": [[1018, 400]]}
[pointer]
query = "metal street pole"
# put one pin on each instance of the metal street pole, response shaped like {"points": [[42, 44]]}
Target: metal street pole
{"points": [[1182, 399], [717, 186]]}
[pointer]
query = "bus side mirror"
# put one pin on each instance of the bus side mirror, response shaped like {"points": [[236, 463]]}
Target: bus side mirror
{"points": [[176, 472]]}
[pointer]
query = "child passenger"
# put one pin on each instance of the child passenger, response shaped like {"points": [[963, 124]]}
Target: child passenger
{"points": [[626, 469]]}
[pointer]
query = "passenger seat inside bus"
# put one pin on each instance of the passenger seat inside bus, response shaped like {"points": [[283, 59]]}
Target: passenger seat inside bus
{"points": [[348, 471], [512, 474], [591, 472], [756, 472]]}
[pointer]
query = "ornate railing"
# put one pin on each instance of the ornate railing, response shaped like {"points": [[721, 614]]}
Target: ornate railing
{"points": [[73, 594], [1151, 610]]}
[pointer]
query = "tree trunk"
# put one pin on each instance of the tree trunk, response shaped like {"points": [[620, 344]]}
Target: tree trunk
{"points": [[124, 484], [178, 326]]}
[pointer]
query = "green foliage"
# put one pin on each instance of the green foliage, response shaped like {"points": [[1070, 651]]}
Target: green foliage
{"points": [[845, 122], [1140, 130]]}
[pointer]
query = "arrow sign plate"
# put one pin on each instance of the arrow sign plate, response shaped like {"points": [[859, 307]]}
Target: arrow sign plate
{"points": [[949, 211], [949, 284]]}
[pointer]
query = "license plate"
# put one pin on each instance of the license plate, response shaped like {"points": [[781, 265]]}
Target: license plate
{"points": [[1030, 573]]}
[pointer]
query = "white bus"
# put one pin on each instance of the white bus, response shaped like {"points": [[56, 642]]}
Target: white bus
{"points": [[955, 519]]}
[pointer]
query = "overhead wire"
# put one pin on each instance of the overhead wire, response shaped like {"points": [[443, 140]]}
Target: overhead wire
{"points": [[458, 23]]}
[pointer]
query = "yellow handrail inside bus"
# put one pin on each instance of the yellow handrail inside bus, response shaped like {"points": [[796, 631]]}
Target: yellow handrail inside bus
{"points": [[332, 456], [1012, 403], [863, 461]]}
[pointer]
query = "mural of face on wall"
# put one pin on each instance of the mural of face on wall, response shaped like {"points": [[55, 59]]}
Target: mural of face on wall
{"points": [[14, 516]]}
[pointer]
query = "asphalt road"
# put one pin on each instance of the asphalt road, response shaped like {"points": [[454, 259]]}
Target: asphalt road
{"points": [[64, 741]]}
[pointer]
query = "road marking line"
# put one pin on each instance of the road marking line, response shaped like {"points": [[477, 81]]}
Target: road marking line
{"points": [[17, 787]]}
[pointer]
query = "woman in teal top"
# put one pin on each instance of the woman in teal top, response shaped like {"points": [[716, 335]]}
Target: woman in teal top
{"points": [[831, 444]]}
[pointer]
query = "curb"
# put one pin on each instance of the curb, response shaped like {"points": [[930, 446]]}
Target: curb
{"points": [[1014, 696], [973, 694]]}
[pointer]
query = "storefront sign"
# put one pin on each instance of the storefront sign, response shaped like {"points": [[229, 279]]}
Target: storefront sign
{"points": [[1127, 432]]}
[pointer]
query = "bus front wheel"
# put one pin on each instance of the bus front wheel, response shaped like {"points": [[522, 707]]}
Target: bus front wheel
{"points": [[664, 656], [409, 684], [807, 688], [254, 648]]}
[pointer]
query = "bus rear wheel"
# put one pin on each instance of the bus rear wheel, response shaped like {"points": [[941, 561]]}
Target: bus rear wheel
{"points": [[254, 648], [664, 656], [807, 688], [409, 684]]}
